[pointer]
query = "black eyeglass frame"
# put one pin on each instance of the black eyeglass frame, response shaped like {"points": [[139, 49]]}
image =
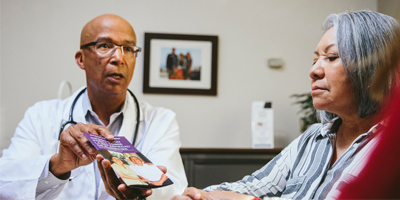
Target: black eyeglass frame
{"points": [[95, 42]]}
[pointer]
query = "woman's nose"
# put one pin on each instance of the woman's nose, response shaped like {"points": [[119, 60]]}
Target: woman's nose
{"points": [[317, 70]]}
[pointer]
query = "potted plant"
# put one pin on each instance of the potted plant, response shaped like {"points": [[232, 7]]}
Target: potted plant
{"points": [[307, 109]]}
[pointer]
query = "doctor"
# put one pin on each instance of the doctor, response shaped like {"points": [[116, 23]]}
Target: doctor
{"points": [[32, 167]]}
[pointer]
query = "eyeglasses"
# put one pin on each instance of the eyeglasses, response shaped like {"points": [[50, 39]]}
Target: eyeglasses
{"points": [[108, 48]]}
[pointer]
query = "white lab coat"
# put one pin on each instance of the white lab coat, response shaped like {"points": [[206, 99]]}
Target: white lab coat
{"points": [[36, 140]]}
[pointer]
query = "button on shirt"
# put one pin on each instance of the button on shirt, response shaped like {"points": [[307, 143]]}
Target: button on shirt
{"points": [[301, 170]]}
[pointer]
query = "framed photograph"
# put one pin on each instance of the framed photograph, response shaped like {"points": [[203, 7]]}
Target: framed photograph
{"points": [[180, 64]]}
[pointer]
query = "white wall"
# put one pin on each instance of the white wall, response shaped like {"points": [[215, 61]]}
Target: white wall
{"points": [[39, 39]]}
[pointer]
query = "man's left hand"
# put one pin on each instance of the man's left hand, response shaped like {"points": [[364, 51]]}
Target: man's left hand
{"points": [[114, 186]]}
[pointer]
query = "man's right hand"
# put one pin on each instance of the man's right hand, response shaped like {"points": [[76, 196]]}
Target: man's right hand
{"points": [[75, 149]]}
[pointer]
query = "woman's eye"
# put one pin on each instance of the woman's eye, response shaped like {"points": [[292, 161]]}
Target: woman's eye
{"points": [[332, 58]]}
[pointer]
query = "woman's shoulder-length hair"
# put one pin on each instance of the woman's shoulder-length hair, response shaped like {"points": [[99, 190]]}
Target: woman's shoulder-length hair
{"points": [[365, 40]]}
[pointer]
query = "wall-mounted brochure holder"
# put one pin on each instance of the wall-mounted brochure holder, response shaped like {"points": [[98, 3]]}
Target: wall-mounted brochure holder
{"points": [[262, 125]]}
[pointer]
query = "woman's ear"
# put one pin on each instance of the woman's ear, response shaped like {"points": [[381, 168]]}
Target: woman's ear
{"points": [[79, 59]]}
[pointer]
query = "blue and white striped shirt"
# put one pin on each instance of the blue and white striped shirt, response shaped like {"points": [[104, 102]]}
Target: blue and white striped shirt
{"points": [[301, 170]]}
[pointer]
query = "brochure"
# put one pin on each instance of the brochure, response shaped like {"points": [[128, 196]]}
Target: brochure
{"points": [[128, 163]]}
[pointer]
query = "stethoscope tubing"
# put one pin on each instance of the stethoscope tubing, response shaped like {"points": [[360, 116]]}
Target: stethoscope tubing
{"points": [[71, 111]]}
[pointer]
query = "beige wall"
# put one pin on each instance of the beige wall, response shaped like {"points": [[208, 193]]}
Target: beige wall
{"points": [[390, 7], [39, 39]]}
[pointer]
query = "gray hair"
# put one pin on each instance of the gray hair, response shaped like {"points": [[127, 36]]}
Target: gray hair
{"points": [[363, 39]]}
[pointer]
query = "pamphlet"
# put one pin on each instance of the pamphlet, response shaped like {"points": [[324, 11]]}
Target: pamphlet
{"points": [[128, 163], [262, 125]]}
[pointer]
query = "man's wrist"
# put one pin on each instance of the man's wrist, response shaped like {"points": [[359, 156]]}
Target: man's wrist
{"points": [[57, 171]]}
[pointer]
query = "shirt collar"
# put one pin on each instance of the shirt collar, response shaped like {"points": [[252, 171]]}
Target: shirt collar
{"points": [[87, 107], [332, 128]]}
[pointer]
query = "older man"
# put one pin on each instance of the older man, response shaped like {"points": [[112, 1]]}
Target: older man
{"points": [[33, 167]]}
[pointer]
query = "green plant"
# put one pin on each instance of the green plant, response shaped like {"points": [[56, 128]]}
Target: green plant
{"points": [[307, 109]]}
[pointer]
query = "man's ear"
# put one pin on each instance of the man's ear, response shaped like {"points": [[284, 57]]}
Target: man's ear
{"points": [[79, 59]]}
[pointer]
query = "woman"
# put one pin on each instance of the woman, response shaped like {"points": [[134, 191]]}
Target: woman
{"points": [[382, 172], [327, 156], [148, 171], [188, 66], [125, 172], [179, 70]]}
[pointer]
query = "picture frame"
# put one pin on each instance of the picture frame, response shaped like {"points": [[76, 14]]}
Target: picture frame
{"points": [[180, 64]]}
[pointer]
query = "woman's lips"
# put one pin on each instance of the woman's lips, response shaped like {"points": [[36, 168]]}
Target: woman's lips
{"points": [[316, 89]]}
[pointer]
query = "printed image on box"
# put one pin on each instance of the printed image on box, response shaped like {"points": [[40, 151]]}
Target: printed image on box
{"points": [[128, 163]]}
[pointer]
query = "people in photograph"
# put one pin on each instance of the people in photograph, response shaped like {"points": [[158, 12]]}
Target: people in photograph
{"points": [[331, 154], [179, 70], [53, 157], [188, 66], [147, 171], [172, 62], [125, 172]]}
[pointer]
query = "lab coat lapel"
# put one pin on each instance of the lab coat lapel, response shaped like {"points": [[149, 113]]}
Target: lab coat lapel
{"points": [[129, 122], [81, 108], [79, 113]]}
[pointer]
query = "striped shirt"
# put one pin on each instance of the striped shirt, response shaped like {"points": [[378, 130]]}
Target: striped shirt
{"points": [[301, 170]]}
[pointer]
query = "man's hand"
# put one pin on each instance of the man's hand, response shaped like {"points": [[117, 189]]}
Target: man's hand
{"points": [[75, 149], [192, 193], [116, 187]]}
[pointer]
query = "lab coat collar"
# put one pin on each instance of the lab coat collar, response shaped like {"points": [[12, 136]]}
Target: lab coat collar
{"points": [[129, 121], [78, 114], [83, 104], [86, 105], [129, 112]]}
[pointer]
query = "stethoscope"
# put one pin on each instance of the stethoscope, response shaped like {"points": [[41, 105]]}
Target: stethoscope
{"points": [[71, 119]]}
